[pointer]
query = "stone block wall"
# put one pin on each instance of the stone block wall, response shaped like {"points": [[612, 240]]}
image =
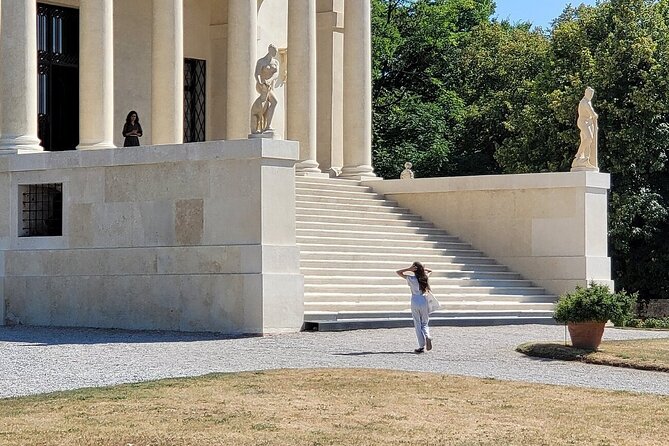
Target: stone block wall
{"points": [[192, 237]]}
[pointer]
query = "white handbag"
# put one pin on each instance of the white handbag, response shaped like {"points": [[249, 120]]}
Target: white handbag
{"points": [[432, 302]]}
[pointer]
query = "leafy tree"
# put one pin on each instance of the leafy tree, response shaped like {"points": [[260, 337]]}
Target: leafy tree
{"points": [[621, 48], [457, 93], [417, 114]]}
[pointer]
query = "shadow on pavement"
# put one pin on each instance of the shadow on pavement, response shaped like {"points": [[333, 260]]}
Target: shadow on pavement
{"points": [[373, 353], [43, 336]]}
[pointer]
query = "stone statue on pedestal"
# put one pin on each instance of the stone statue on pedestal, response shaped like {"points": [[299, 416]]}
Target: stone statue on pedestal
{"points": [[407, 173], [262, 110], [586, 157]]}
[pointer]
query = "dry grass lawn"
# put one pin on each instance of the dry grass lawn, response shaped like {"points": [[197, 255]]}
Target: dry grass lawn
{"points": [[335, 407], [645, 354]]}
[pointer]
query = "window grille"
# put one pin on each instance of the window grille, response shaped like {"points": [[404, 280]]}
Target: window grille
{"points": [[195, 78], [42, 211]]}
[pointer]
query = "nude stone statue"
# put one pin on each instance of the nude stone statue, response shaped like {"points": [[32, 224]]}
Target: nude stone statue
{"points": [[586, 157], [262, 110]]}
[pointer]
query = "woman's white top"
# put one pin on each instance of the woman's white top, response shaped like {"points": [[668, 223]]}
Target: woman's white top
{"points": [[413, 284]]}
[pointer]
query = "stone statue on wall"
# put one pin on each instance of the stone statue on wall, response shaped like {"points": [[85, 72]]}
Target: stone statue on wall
{"points": [[262, 110], [586, 157], [407, 173]]}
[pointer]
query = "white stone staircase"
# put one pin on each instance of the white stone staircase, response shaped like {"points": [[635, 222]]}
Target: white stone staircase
{"points": [[352, 241]]}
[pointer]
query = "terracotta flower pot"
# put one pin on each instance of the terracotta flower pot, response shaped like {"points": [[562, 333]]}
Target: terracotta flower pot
{"points": [[586, 334]]}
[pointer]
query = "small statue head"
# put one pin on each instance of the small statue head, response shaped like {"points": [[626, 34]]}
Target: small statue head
{"points": [[589, 92], [408, 165], [271, 50]]}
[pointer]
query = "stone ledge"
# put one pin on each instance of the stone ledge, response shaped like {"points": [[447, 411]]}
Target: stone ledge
{"points": [[590, 180], [279, 150]]}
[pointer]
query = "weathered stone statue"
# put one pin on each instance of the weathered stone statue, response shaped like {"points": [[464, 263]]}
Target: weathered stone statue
{"points": [[407, 173], [262, 110], [586, 157]]}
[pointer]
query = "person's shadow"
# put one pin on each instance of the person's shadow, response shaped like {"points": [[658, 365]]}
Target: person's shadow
{"points": [[373, 353]]}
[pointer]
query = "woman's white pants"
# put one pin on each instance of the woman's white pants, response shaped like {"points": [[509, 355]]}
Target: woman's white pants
{"points": [[421, 317]]}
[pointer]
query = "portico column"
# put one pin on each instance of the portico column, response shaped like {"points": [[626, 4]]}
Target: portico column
{"points": [[167, 87], [18, 77], [301, 100], [96, 74], [242, 48], [357, 90]]}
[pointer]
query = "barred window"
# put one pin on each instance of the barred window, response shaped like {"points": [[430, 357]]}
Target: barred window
{"points": [[42, 210]]}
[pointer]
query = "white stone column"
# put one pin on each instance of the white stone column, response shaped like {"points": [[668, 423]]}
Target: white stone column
{"points": [[96, 74], [167, 86], [242, 49], [18, 77], [302, 88], [357, 90]]}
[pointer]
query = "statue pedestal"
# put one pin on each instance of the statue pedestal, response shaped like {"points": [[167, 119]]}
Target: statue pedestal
{"points": [[584, 169], [267, 134]]}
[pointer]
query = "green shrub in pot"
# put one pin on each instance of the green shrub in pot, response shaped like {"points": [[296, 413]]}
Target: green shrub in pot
{"points": [[596, 303]]}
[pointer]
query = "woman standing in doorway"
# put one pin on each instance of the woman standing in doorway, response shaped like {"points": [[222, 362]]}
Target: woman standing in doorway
{"points": [[132, 130], [417, 280]]}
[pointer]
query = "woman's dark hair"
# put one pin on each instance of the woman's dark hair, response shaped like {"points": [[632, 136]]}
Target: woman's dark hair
{"points": [[127, 118], [422, 277]]}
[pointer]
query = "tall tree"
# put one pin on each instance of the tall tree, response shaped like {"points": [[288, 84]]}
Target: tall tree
{"points": [[621, 48]]}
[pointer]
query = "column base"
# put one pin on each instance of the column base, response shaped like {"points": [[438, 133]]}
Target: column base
{"points": [[309, 168], [19, 144], [357, 173], [96, 146]]}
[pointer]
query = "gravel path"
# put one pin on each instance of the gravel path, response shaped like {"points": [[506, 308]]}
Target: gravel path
{"points": [[38, 360]]}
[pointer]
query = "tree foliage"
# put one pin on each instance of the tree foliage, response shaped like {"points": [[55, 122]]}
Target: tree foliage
{"points": [[458, 93]]}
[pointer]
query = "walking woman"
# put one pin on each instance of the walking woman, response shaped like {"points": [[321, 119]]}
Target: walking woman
{"points": [[417, 280], [132, 130]]}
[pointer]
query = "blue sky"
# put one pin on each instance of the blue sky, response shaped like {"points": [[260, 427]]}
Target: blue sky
{"points": [[539, 12]]}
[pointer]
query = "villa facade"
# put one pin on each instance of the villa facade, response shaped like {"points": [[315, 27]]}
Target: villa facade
{"points": [[214, 225]]}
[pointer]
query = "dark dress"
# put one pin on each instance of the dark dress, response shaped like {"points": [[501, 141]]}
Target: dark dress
{"points": [[131, 141]]}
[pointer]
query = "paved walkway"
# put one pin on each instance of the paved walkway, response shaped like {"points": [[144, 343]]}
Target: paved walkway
{"points": [[37, 360]]}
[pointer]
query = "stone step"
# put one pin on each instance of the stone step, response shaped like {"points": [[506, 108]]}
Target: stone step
{"points": [[396, 286], [394, 295], [336, 193], [384, 233], [362, 224], [329, 183], [400, 256], [356, 243], [473, 320], [406, 314], [328, 200], [446, 306], [325, 214], [443, 297], [351, 207], [435, 281], [447, 274], [440, 263]]}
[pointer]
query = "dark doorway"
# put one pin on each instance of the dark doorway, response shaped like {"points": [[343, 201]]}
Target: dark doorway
{"points": [[195, 80], [58, 76]]}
